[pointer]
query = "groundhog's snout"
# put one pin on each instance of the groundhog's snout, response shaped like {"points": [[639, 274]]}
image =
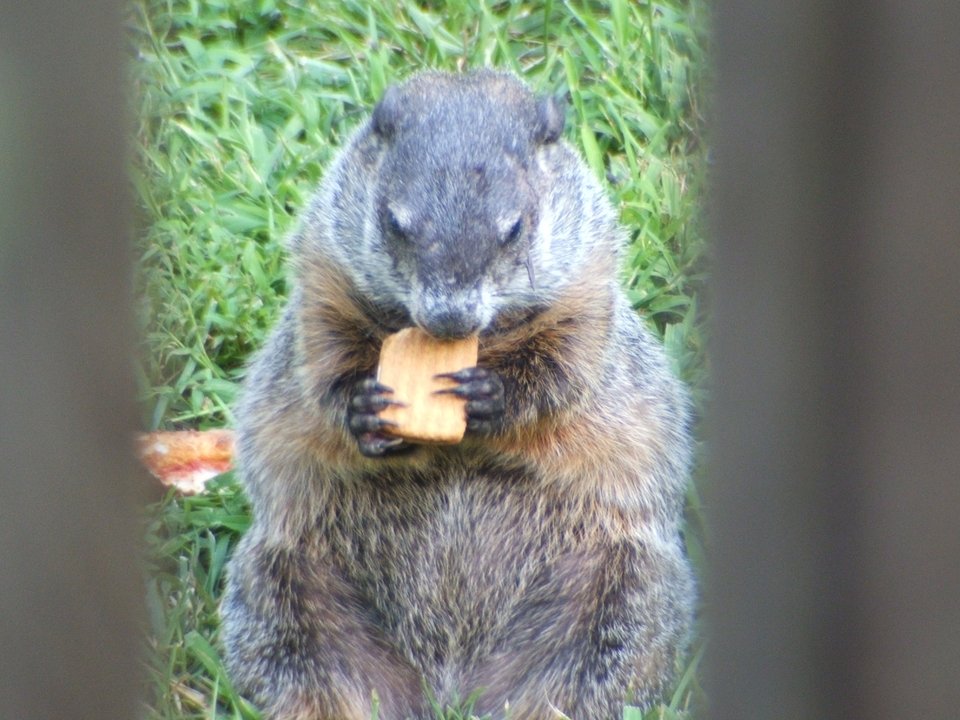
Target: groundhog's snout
{"points": [[448, 312], [450, 323]]}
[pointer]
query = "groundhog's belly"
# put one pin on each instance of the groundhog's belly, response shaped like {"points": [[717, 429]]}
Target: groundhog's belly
{"points": [[444, 562]]}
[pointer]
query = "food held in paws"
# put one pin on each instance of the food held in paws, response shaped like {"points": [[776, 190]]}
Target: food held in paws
{"points": [[410, 362]]}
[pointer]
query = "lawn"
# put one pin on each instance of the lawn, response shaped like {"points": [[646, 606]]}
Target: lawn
{"points": [[239, 106]]}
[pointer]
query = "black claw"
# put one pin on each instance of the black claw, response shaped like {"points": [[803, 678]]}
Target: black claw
{"points": [[471, 389], [376, 445], [367, 423], [373, 404], [467, 374], [372, 386], [372, 397]]}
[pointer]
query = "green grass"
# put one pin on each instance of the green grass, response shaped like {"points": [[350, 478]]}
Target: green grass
{"points": [[240, 105]]}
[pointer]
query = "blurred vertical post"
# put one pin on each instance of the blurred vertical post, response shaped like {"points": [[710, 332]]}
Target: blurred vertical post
{"points": [[834, 583], [69, 576]]}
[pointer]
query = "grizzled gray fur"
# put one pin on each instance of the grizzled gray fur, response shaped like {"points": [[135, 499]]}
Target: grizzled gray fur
{"points": [[540, 560]]}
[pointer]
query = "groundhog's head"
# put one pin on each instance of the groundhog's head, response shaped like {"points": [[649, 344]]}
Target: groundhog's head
{"points": [[459, 196]]}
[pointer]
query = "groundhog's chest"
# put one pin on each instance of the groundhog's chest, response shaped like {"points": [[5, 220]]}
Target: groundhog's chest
{"points": [[443, 559]]}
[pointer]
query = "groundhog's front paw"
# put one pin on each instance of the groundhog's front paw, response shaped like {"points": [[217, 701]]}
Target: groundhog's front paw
{"points": [[369, 399], [483, 391]]}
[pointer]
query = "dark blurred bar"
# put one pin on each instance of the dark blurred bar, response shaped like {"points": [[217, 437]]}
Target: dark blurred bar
{"points": [[69, 573], [834, 488]]}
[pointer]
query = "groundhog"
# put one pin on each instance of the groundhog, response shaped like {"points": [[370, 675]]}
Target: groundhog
{"points": [[538, 564]]}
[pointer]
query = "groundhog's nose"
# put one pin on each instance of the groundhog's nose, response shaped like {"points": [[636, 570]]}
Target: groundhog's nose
{"points": [[450, 324]]}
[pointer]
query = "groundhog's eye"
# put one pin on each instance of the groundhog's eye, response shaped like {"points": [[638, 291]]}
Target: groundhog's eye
{"points": [[513, 233], [395, 227]]}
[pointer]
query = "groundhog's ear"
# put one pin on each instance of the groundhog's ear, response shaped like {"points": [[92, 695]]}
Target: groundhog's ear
{"points": [[386, 115], [550, 118]]}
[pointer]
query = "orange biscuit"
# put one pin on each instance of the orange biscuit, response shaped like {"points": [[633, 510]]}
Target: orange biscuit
{"points": [[409, 362]]}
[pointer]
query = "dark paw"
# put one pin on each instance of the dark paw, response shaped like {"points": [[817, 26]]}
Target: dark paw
{"points": [[369, 399], [483, 391]]}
